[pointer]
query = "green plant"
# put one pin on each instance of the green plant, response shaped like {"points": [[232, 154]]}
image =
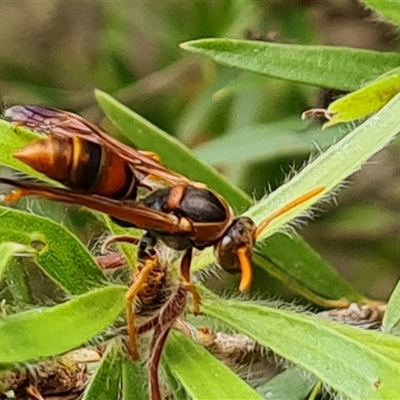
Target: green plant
{"points": [[356, 363]]}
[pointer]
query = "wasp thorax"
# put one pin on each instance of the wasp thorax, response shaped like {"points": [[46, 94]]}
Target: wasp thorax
{"points": [[239, 235]]}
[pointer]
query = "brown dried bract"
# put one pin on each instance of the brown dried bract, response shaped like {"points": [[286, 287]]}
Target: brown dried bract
{"points": [[57, 378]]}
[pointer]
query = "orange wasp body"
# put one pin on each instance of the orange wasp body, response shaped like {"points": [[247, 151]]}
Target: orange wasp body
{"points": [[182, 214]]}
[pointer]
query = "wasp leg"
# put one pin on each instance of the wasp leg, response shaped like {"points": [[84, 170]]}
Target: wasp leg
{"points": [[130, 296], [157, 345], [13, 196], [111, 261], [118, 238], [34, 392], [187, 281], [151, 154], [131, 212], [175, 197], [17, 125]]}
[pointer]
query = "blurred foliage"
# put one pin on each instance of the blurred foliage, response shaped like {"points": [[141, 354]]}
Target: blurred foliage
{"points": [[244, 124]]}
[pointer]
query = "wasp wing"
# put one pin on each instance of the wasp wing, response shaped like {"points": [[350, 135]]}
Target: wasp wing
{"points": [[62, 123]]}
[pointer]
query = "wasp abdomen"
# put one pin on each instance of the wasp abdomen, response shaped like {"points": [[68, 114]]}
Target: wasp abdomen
{"points": [[52, 157], [81, 165]]}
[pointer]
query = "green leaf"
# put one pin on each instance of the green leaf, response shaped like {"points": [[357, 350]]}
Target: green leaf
{"points": [[243, 82], [390, 10], [292, 384], [134, 380], [177, 391], [332, 167], [17, 282], [262, 142], [42, 333], [104, 385], [363, 102], [60, 254], [391, 318], [204, 108], [317, 283], [332, 67], [387, 345], [144, 135], [201, 367], [330, 355], [8, 251]]}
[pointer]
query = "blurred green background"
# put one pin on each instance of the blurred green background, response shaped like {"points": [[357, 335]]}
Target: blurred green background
{"points": [[248, 126]]}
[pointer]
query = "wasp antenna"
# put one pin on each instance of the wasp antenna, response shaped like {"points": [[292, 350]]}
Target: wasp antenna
{"points": [[243, 255], [289, 206]]}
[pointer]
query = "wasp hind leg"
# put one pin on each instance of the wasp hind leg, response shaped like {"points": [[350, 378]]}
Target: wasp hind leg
{"points": [[118, 238], [13, 196], [187, 281]]}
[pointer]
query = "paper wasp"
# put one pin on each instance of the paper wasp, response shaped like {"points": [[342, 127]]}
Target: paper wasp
{"points": [[182, 214]]}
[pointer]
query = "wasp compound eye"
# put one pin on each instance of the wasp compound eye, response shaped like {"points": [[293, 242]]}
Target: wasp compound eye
{"points": [[239, 235]]}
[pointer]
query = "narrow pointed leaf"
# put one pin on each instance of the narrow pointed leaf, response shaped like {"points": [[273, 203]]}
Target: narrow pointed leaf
{"points": [[390, 10], [176, 389], [330, 355], [39, 333], [391, 318], [134, 380], [365, 101], [292, 384], [384, 344], [332, 67], [262, 142], [201, 374], [62, 256], [105, 383], [332, 167], [17, 282], [320, 285], [8, 250]]}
